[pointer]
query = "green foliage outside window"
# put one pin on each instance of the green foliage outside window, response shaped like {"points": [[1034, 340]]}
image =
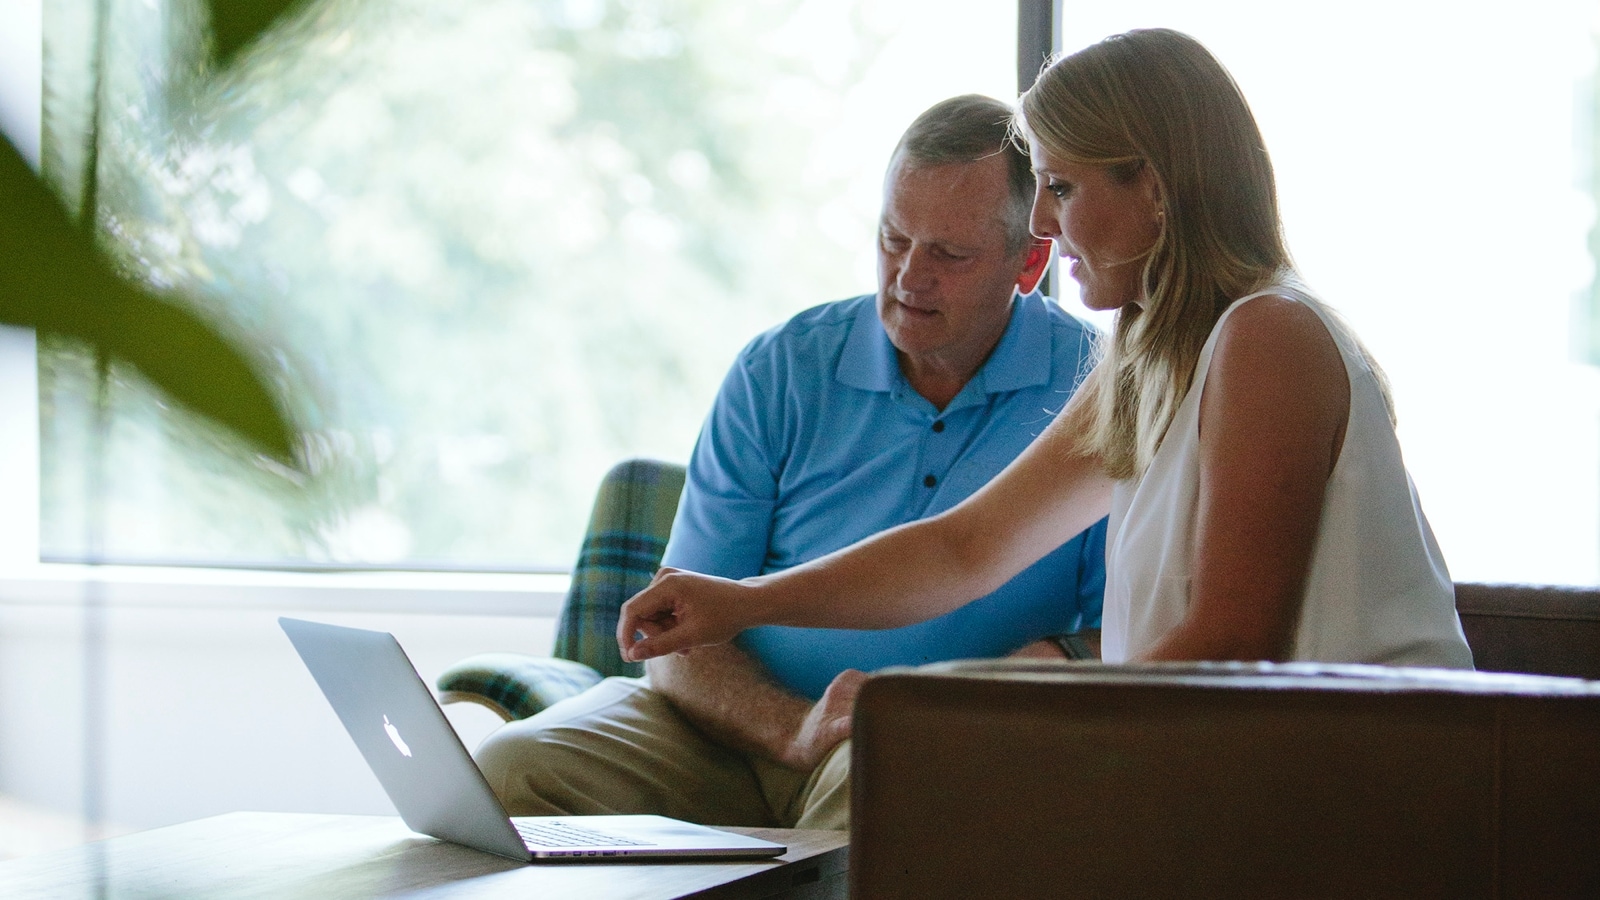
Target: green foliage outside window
{"points": [[492, 247]]}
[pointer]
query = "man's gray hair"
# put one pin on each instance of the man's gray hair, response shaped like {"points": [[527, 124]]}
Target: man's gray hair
{"points": [[969, 128]]}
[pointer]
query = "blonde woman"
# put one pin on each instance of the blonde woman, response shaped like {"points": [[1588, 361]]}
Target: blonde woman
{"points": [[1235, 430]]}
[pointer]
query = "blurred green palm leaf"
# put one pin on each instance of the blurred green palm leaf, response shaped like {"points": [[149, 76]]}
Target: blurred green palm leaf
{"points": [[53, 279], [236, 23]]}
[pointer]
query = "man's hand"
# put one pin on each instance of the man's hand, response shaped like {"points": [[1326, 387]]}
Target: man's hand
{"points": [[1047, 648], [827, 724], [733, 699], [1043, 648]]}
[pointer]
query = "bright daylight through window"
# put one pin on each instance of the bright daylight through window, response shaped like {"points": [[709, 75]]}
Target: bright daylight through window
{"points": [[502, 244], [1437, 169], [505, 244]]}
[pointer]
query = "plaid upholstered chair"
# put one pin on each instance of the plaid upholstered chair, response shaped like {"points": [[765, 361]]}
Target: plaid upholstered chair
{"points": [[621, 551]]}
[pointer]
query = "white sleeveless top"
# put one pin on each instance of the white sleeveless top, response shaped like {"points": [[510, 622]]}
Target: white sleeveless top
{"points": [[1378, 590]]}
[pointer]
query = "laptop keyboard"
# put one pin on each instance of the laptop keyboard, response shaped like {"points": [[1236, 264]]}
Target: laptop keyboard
{"points": [[564, 834]]}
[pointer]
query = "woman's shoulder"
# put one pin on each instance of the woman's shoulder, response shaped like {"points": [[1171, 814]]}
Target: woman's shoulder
{"points": [[1275, 346], [1276, 315], [1287, 318], [1277, 389]]}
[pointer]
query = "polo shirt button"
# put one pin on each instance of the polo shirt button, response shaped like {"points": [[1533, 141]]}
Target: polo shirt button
{"points": [[929, 481], [938, 426]]}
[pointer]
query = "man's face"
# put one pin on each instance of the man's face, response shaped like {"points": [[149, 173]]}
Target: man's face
{"points": [[945, 278]]}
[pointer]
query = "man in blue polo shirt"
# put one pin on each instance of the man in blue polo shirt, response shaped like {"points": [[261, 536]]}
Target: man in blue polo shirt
{"points": [[850, 418]]}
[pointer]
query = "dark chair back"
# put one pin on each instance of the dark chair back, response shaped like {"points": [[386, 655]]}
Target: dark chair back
{"points": [[1540, 629]]}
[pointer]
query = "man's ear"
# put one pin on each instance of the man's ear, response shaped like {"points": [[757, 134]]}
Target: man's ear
{"points": [[1034, 266]]}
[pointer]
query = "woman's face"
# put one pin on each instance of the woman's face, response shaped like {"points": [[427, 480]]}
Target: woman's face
{"points": [[1105, 228]]}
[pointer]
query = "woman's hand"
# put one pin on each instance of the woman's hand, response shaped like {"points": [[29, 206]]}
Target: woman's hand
{"points": [[680, 610]]}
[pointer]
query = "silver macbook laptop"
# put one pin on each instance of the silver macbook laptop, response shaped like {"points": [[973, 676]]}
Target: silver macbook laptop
{"points": [[422, 765]]}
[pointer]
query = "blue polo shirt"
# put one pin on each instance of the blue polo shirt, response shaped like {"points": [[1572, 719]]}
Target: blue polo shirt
{"points": [[816, 440]]}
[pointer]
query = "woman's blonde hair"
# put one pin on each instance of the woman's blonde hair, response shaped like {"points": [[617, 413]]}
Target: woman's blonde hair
{"points": [[1158, 98]]}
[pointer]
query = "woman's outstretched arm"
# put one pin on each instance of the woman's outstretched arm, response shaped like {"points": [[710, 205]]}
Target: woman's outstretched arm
{"points": [[900, 576]]}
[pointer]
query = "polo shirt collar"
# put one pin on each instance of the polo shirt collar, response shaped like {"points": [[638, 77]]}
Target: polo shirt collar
{"points": [[1021, 359]]}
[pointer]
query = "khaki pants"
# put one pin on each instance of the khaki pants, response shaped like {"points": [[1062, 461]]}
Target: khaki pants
{"points": [[620, 747]]}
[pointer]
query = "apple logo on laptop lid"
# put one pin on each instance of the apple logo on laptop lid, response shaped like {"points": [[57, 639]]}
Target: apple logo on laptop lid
{"points": [[394, 735]]}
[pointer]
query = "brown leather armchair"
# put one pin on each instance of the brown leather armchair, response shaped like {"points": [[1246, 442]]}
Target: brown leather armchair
{"points": [[1025, 779]]}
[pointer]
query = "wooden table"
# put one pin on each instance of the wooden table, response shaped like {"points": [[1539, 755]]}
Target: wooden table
{"points": [[269, 855]]}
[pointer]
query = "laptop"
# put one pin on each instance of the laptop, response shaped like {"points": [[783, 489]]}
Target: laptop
{"points": [[434, 783]]}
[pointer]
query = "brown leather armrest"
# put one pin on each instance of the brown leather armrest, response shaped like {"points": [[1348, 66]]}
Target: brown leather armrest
{"points": [[1003, 779]]}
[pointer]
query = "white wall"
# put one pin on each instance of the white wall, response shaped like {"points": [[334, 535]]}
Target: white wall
{"points": [[208, 709]]}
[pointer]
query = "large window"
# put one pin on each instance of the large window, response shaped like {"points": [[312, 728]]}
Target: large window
{"points": [[507, 243], [1436, 168], [497, 245]]}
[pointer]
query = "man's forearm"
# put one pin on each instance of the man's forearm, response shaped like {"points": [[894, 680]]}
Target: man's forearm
{"points": [[1084, 644], [729, 696]]}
